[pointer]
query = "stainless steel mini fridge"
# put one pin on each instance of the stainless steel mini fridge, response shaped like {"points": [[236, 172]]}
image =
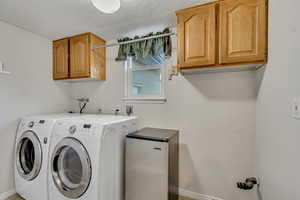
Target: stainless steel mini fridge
{"points": [[152, 165]]}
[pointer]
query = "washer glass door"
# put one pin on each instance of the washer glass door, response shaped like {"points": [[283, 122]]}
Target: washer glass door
{"points": [[28, 155], [71, 168]]}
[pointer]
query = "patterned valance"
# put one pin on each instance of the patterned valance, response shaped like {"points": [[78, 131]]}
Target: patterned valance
{"points": [[150, 47]]}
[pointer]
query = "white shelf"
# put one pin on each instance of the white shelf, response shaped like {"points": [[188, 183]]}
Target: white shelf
{"points": [[4, 72], [237, 68]]}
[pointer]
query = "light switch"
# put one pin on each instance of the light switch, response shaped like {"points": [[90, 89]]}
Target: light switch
{"points": [[1, 66], [296, 107]]}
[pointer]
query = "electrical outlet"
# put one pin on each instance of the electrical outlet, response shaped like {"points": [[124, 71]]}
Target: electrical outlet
{"points": [[173, 71], [116, 109]]}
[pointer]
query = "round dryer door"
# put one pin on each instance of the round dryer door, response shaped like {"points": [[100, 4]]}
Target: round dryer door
{"points": [[28, 155], [71, 168]]}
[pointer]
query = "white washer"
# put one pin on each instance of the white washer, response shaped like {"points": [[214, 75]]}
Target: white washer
{"points": [[31, 155], [87, 158]]}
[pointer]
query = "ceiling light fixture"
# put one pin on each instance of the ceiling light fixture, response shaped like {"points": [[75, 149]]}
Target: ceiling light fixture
{"points": [[107, 6]]}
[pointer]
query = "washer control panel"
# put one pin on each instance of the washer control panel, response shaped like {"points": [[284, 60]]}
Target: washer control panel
{"points": [[35, 123], [82, 128], [74, 129]]}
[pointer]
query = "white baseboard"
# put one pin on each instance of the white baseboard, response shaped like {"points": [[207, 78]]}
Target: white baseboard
{"points": [[196, 196], [7, 194], [182, 192]]}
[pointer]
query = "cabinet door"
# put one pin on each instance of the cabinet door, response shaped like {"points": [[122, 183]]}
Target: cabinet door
{"points": [[60, 59], [243, 31], [80, 54], [196, 30], [98, 56]]}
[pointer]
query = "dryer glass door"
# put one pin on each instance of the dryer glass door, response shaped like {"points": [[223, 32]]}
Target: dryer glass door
{"points": [[71, 168], [28, 155]]}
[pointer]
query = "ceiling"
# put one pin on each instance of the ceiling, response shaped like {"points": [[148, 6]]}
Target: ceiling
{"points": [[59, 18]]}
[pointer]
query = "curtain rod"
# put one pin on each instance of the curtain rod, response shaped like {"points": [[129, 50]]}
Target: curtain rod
{"points": [[132, 41]]}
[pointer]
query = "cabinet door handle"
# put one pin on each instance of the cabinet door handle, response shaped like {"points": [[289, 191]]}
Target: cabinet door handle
{"points": [[157, 148]]}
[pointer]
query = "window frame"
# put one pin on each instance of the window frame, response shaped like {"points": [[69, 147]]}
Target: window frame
{"points": [[144, 98]]}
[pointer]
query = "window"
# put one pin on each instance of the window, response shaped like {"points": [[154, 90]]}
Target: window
{"points": [[144, 83]]}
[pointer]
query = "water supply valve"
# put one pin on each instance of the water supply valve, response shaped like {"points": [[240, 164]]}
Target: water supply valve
{"points": [[248, 184]]}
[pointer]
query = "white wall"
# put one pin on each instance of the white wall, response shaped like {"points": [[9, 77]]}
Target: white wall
{"points": [[28, 90], [215, 114], [278, 134]]}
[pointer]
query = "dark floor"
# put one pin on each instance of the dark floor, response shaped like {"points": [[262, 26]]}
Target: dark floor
{"points": [[15, 197]]}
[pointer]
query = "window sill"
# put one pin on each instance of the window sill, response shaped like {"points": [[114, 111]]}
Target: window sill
{"points": [[145, 101]]}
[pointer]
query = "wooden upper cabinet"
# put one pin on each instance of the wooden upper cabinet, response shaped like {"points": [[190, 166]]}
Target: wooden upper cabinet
{"points": [[60, 59], [222, 33], [243, 31], [196, 32], [74, 58], [79, 56]]}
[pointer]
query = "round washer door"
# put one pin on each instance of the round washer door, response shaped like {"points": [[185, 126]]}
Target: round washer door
{"points": [[71, 168], [29, 155]]}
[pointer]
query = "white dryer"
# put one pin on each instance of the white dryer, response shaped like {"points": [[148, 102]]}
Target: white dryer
{"points": [[31, 155], [87, 158]]}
